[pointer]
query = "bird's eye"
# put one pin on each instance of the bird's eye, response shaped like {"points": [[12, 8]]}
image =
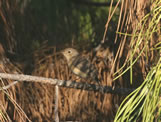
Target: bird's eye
{"points": [[69, 51]]}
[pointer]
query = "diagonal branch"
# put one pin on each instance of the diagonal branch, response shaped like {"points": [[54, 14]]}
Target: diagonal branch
{"points": [[68, 84]]}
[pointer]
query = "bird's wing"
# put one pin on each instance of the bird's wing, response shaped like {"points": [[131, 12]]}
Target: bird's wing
{"points": [[83, 68]]}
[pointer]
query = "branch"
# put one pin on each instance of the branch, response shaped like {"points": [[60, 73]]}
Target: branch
{"points": [[68, 84]]}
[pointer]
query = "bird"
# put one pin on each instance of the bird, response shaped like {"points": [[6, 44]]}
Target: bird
{"points": [[79, 65]]}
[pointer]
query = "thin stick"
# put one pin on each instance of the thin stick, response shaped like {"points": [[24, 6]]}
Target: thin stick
{"points": [[68, 84]]}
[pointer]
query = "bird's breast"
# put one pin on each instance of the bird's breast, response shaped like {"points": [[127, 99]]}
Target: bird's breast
{"points": [[78, 66]]}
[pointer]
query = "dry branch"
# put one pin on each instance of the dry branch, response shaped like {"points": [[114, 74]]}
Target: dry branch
{"points": [[68, 84]]}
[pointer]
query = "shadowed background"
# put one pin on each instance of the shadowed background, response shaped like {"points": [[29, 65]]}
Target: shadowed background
{"points": [[31, 34]]}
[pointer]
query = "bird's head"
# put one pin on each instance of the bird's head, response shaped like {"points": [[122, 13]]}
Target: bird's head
{"points": [[69, 53]]}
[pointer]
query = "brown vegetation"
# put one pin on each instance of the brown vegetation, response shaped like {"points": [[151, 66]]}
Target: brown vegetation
{"points": [[38, 100]]}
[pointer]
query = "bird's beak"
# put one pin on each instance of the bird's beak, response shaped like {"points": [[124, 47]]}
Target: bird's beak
{"points": [[57, 53], [62, 52]]}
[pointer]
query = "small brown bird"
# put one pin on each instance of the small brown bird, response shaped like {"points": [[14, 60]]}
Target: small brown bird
{"points": [[80, 65]]}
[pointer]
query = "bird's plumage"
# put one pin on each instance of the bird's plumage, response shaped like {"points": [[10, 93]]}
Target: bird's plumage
{"points": [[80, 65]]}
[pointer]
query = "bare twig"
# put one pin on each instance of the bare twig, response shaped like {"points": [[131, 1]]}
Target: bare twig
{"points": [[56, 104], [8, 86], [109, 18], [68, 84]]}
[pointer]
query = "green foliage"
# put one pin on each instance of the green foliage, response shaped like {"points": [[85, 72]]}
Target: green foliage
{"points": [[145, 101], [63, 21]]}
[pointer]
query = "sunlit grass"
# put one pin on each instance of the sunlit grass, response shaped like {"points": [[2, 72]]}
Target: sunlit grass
{"points": [[144, 102], [3, 114]]}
